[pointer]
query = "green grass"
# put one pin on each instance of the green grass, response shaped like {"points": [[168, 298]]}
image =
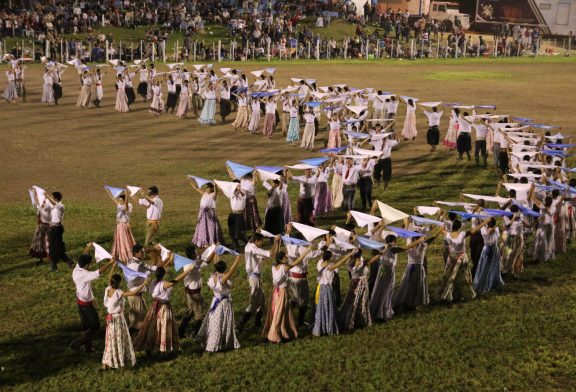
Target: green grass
{"points": [[479, 75], [519, 339]]}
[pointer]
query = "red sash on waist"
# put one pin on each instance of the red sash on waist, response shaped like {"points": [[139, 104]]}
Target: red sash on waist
{"points": [[84, 304]]}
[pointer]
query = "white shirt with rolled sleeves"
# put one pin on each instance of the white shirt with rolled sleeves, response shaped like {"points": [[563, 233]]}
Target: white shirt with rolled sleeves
{"points": [[154, 210], [350, 174], [136, 265], [481, 131], [193, 280], [57, 214], [254, 257], [433, 118], [83, 280], [307, 186]]}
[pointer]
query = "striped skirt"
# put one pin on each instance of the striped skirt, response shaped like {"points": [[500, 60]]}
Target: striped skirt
{"points": [[123, 242], [39, 247], [279, 323], [269, 123], [544, 243], [322, 199], [413, 290], [159, 332], [251, 214], [118, 349], [293, 130], [456, 281], [513, 254], [325, 321], [355, 312], [241, 120]]}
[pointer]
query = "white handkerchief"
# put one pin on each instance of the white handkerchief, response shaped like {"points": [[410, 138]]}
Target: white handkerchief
{"points": [[390, 214], [302, 166], [342, 234], [266, 233], [198, 67], [270, 71], [100, 253], [257, 73], [133, 189], [424, 210], [228, 187], [521, 190], [163, 252], [32, 198], [363, 220], [265, 176], [308, 232], [40, 194], [430, 104], [356, 109], [343, 244], [208, 252]]}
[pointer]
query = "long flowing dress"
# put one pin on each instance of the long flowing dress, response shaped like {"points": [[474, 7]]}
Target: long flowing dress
{"points": [[217, 331], [451, 134], [286, 207], [355, 309], [323, 196], [279, 323], [184, 102], [208, 230], [251, 213], [121, 98], [293, 126], [118, 350], [209, 109], [269, 119], [544, 242], [40, 246], [10, 93], [241, 120], [488, 271], [85, 92], [513, 247], [309, 132], [123, 238], [254, 116], [559, 227], [334, 138], [157, 105], [382, 295], [409, 130], [337, 186], [456, 281], [413, 290], [48, 89], [159, 332], [325, 317]]}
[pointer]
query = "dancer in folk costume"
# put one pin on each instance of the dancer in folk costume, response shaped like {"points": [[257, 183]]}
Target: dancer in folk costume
{"points": [[409, 131], [128, 88], [241, 121], [255, 256], [48, 90], [209, 109], [513, 242], [236, 224], [19, 80], [142, 88], [254, 115], [293, 134], [452, 133], [560, 219], [208, 230], [270, 118], [172, 99], [274, 219], [159, 332], [183, 100], [40, 245], [118, 350], [285, 197], [98, 77], [309, 130], [306, 195], [323, 197], [285, 117], [464, 139], [85, 89], [433, 134], [217, 331], [157, 105], [334, 134], [123, 238], [10, 93], [413, 290], [225, 104], [382, 294], [355, 309], [279, 325], [456, 281], [83, 279], [487, 275], [337, 183], [121, 98], [151, 81], [251, 214], [326, 315], [544, 244]]}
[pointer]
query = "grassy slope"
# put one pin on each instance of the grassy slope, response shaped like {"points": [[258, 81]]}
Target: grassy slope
{"points": [[520, 339]]}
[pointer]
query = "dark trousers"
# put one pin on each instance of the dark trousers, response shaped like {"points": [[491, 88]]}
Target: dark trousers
{"points": [[90, 325], [56, 245], [383, 170], [336, 289], [236, 227], [503, 161], [305, 209], [348, 193], [366, 191], [480, 148]]}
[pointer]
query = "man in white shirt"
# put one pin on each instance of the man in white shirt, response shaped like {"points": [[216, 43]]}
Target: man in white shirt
{"points": [[153, 212], [350, 181], [480, 143], [383, 168], [433, 134], [274, 219], [305, 206], [365, 171], [85, 300], [236, 223], [194, 298], [254, 256], [56, 245]]}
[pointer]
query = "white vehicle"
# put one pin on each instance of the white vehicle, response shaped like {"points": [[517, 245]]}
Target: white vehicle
{"points": [[446, 13]]}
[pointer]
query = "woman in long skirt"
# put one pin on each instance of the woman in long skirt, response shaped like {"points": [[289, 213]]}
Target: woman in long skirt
{"points": [[241, 121], [382, 294], [118, 350], [286, 206], [159, 332], [323, 196], [254, 115], [463, 143], [309, 131], [209, 108], [48, 89], [251, 214], [123, 238], [39, 247], [225, 104], [121, 99], [559, 222], [337, 184], [270, 119], [10, 93], [456, 281], [85, 91], [217, 331], [488, 271], [184, 100], [274, 218], [409, 131], [142, 88], [544, 244], [413, 290], [452, 133], [157, 105], [325, 317], [279, 325], [355, 310], [513, 247], [334, 135], [293, 125], [208, 230]]}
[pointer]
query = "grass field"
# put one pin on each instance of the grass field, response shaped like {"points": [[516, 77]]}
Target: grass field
{"points": [[521, 339]]}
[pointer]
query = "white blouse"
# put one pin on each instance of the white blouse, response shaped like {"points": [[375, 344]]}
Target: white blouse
{"points": [[123, 213], [160, 293], [115, 303], [207, 201], [279, 276], [325, 275]]}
